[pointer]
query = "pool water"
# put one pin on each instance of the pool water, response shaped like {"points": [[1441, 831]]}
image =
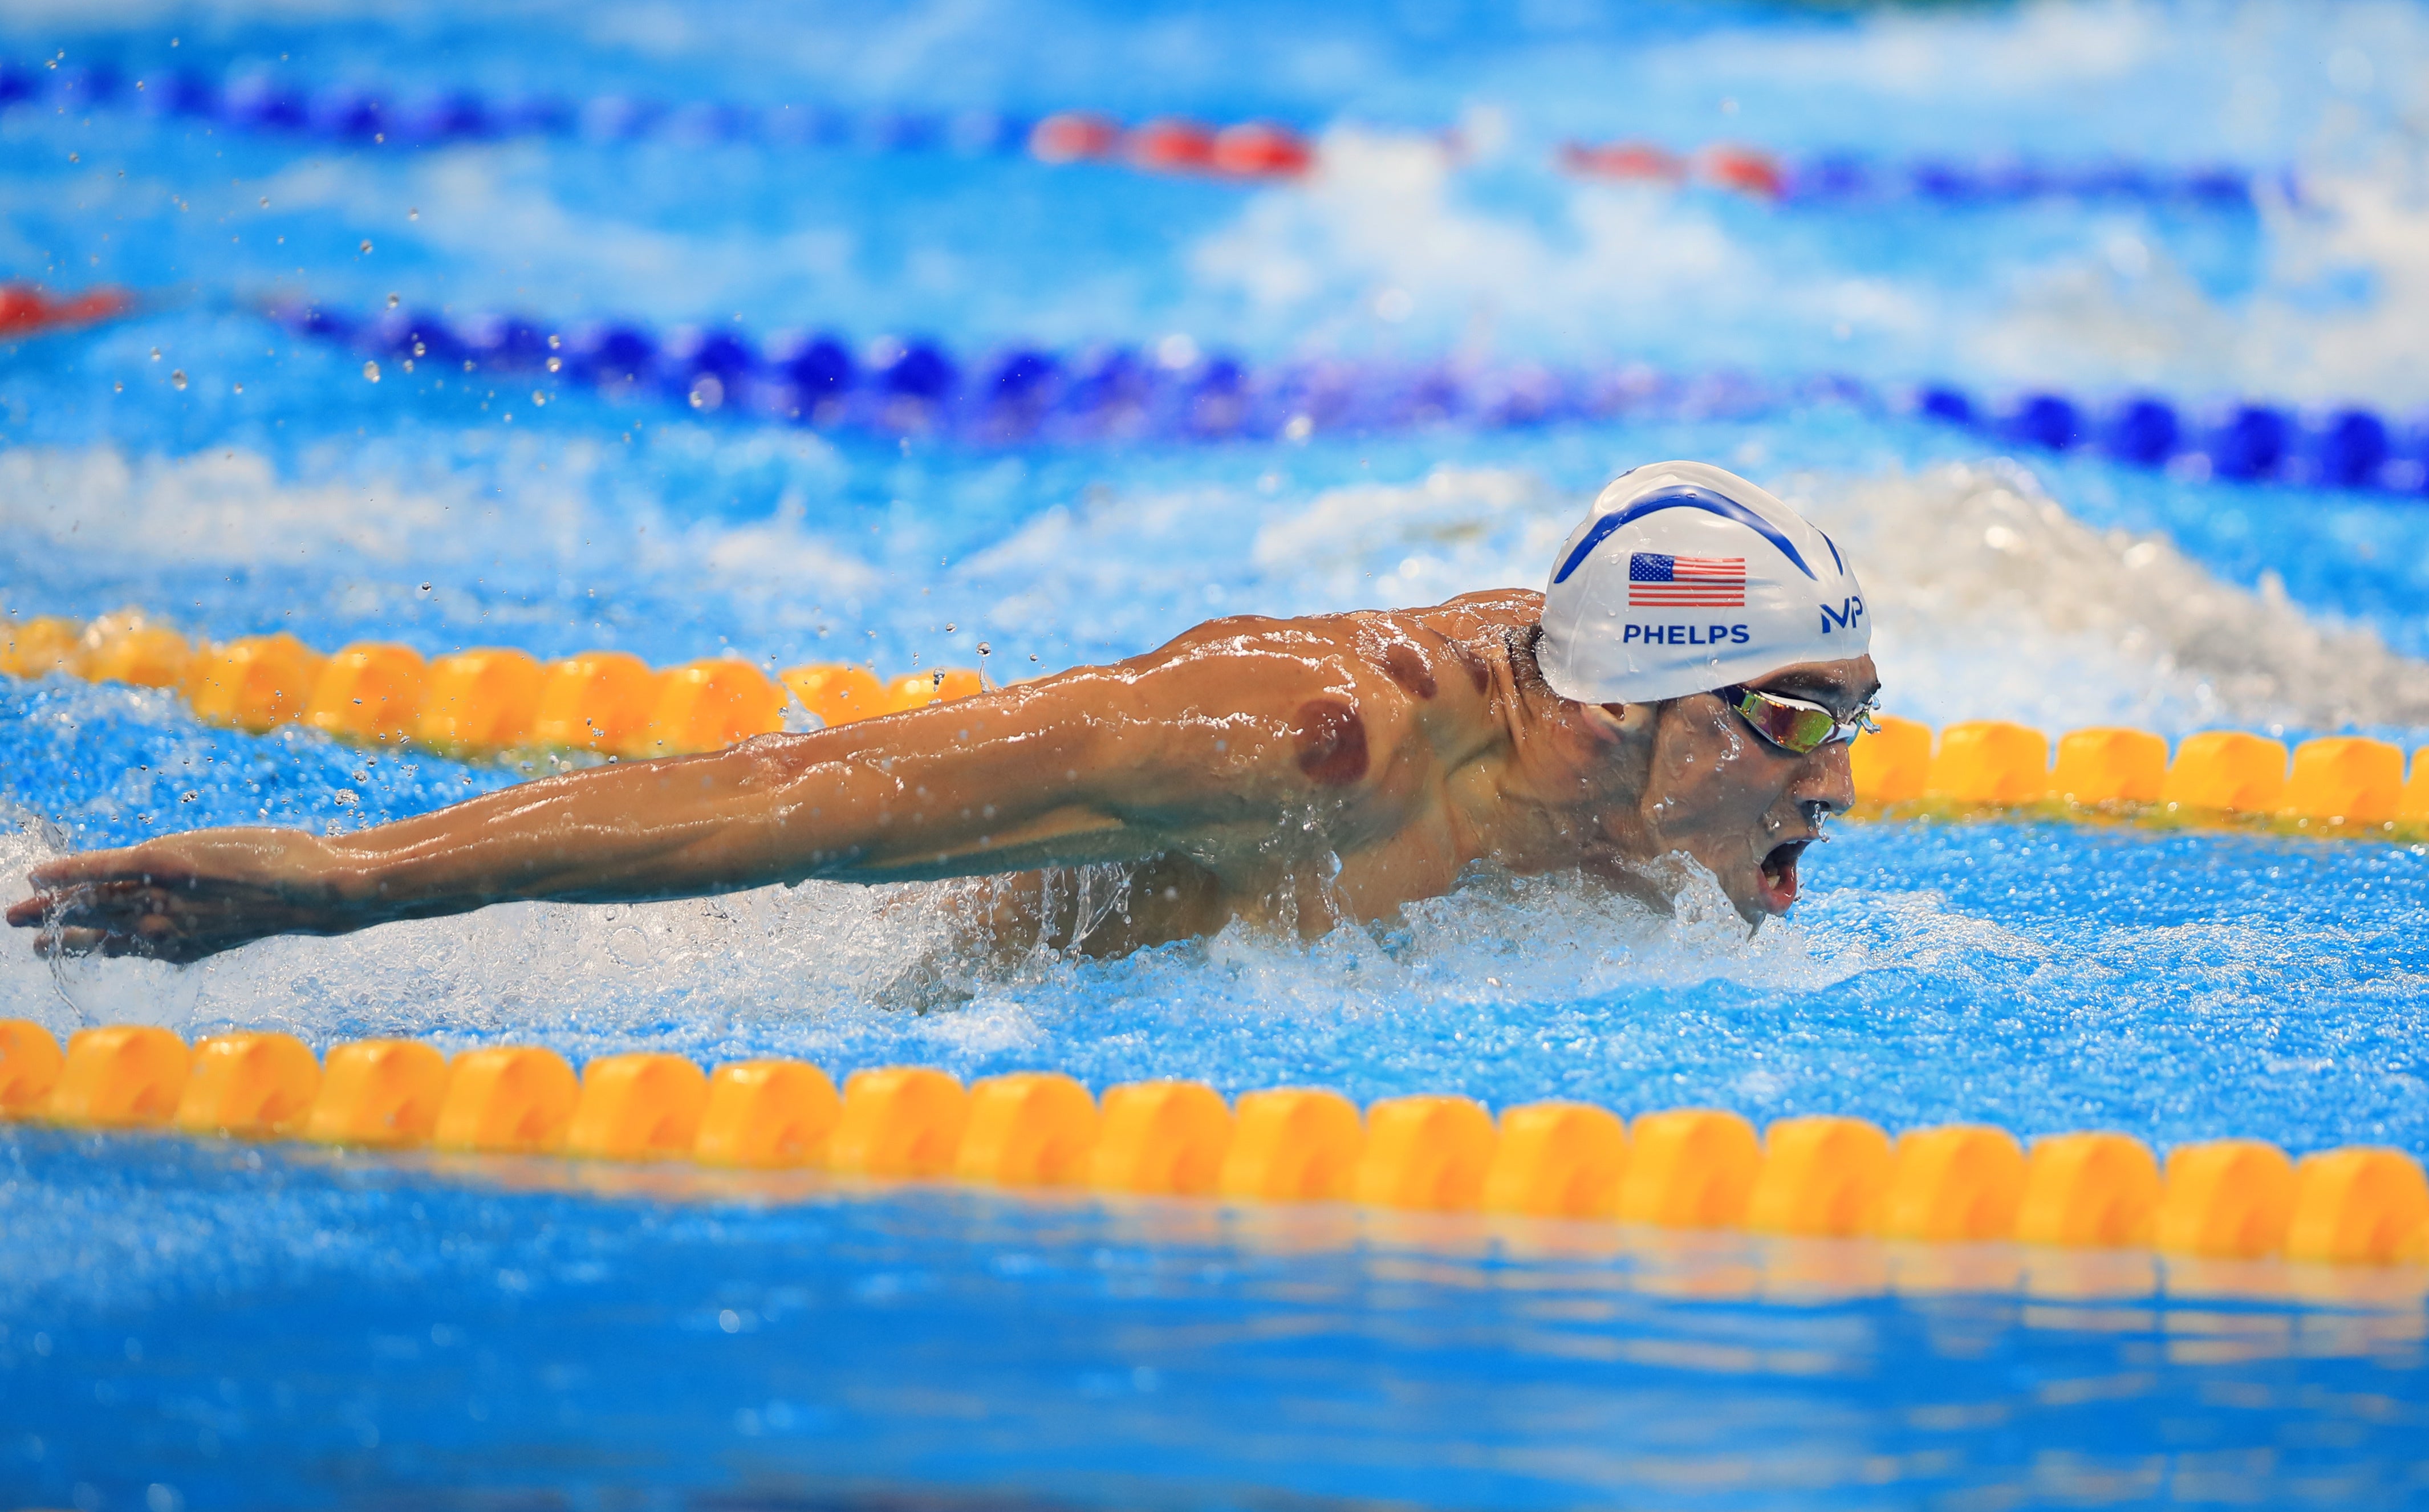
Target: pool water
{"points": [[230, 1324]]}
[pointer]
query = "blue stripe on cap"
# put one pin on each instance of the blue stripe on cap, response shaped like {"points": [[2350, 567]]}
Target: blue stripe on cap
{"points": [[1686, 496]]}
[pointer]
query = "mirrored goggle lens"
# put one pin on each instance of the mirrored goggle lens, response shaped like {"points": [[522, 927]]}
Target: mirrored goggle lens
{"points": [[1802, 730], [1791, 726]]}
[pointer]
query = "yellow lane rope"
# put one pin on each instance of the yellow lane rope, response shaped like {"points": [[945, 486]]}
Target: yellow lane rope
{"points": [[1824, 1177]]}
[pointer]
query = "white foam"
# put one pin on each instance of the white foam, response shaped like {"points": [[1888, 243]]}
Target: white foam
{"points": [[367, 523], [1385, 246], [1510, 259], [1994, 602]]}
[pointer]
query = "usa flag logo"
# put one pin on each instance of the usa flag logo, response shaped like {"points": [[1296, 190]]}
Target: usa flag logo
{"points": [[1658, 582]]}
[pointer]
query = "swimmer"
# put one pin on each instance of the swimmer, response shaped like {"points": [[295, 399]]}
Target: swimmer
{"points": [[1687, 685]]}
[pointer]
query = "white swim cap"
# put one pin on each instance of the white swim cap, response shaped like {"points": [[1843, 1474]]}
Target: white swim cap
{"points": [[1686, 578]]}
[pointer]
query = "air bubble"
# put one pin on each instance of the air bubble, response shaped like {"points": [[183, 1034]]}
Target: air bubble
{"points": [[367, 244], [177, 378], [370, 372]]}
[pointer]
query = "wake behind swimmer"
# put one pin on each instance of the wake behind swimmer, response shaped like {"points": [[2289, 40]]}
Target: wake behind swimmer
{"points": [[1288, 772]]}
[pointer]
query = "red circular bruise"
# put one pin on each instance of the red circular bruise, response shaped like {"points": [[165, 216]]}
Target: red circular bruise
{"points": [[1405, 665], [1331, 741]]}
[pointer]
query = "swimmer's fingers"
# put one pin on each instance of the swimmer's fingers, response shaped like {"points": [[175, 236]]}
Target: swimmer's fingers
{"points": [[52, 944], [88, 902], [95, 866], [133, 918], [143, 943], [98, 882], [182, 897]]}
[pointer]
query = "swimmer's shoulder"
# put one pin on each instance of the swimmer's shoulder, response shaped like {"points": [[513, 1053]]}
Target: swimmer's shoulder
{"points": [[1486, 610], [1476, 629], [1461, 644]]}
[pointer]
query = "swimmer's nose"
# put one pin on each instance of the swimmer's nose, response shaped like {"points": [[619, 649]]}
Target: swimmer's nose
{"points": [[1828, 783]]}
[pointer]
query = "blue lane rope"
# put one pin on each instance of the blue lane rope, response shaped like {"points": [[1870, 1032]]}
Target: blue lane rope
{"points": [[369, 115], [366, 114], [1019, 393], [2337, 446], [1844, 178], [257, 101], [1847, 179]]}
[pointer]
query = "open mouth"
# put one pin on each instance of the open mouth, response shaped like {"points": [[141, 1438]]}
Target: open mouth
{"points": [[1779, 876]]}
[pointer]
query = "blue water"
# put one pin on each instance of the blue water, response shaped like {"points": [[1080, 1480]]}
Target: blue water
{"points": [[237, 1325], [266, 1328]]}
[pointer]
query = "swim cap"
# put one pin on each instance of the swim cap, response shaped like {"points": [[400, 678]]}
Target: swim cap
{"points": [[1686, 578]]}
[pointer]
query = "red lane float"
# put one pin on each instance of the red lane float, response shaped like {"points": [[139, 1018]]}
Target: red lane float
{"points": [[1260, 149], [1251, 149], [1075, 135], [1635, 160], [1171, 146], [26, 310], [1742, 169], [1745, 170]]}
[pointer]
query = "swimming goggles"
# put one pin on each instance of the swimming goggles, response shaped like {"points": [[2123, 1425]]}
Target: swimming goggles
{"points": [[1791, 724]]}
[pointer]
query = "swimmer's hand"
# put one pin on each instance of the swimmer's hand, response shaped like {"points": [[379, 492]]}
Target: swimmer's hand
{"points": [[182, 897]]}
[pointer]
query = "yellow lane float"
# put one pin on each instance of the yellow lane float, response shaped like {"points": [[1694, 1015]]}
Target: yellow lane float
{"points": [[1825, 1177], [484, 701]]}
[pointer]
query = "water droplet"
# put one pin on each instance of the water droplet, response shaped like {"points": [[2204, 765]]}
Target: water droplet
{"points": [[413, 214], [425, 587], [539, 398], [370, 372], [239, 387], [391, 302], [177, 378], [367, 244], [156, 353], [949, 628], [119, 387], [985, 649], [419, 349], [265, 201], [555, 363]]}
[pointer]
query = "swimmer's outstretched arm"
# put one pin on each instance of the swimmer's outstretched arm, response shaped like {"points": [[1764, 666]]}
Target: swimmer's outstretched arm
{"points": [[1112, 763]]}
